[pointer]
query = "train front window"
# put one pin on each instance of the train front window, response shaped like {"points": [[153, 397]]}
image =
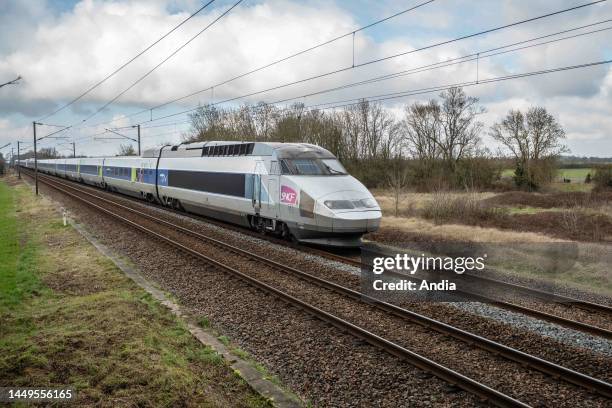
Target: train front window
{"points": [[306, 167], [333, 166], [312, 167]]}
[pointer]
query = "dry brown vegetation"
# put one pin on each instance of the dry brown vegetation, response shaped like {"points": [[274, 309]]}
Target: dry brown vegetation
{"points": [[511, 252], [563, 215], [466, 208], [551, 200]]}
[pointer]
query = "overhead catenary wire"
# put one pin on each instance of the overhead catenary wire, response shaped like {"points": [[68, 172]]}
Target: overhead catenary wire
{"points": [[52, 133], [290, 56], [172, 54], [439, 88], [333, 72], [402, 94], [454, 61], [437, 65], [283, 59], [107, 77]]}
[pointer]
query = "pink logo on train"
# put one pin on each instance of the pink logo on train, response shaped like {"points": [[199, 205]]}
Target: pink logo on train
{"points": [[288, 195]]}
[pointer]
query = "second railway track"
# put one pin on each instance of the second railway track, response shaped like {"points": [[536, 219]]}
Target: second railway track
{"points": [[353, 313]]}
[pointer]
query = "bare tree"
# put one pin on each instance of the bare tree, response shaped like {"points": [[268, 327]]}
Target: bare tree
{"points": [[421, 128], [460, 129], [265, 116], [397, 179], [207, 123], [48, 153], [441, 135], [533, 139], [546, 133], [126, 150], [352, 132]]}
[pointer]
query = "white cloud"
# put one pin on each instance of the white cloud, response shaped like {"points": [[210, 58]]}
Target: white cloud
{"points": [[62, 54]]}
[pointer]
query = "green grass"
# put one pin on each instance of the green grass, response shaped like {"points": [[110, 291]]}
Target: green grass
{"points": [[69, 317], [16, 266], [204, 322], [576, 175]]}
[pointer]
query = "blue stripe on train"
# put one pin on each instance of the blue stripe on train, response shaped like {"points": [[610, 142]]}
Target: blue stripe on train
{"points": [[147, 176]]}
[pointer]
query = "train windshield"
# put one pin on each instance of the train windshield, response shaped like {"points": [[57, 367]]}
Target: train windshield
{"points": [[312, 167]]}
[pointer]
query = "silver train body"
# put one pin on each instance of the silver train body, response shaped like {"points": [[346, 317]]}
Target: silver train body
{"points": [[292, 189]]}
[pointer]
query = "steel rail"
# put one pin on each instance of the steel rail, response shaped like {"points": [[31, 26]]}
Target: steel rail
{"points": [[515, 355], [476, 388], [541, 294], [562, 300], [598, 307]]}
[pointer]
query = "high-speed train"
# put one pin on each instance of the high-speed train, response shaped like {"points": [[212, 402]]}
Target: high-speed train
{"points": [[297, 190]]}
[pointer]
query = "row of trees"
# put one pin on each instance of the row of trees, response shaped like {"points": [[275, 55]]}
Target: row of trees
{"points": [[433, 144]]}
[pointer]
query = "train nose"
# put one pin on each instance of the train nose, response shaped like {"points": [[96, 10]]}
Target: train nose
{"points": [[356, 221], [349, 212]]}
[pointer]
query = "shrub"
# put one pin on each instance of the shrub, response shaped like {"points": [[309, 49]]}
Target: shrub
{"points": [[540, 173], [461, 207], [372, 173], [478, 172], [603, 176]]}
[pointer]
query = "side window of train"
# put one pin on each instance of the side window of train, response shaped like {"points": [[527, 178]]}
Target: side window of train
{"points": [[274, 168], [285, 167]]}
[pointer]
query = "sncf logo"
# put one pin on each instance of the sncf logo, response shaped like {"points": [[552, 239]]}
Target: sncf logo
{"points": [[288, 195]]}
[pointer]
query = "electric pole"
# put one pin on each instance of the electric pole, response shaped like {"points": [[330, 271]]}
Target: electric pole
{"points": [[35, 160], [73, 150], [138, 126], [18, 159]]}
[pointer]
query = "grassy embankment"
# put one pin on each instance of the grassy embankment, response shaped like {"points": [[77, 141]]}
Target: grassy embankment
{"points": [[68, 316]]}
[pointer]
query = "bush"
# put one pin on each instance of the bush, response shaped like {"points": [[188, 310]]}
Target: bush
{"points": [[603, 177], [372, 173], [478, 172], [445, 207], [541, 173]]}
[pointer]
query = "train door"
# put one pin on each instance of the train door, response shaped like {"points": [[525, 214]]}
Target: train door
{"points": [[273, 190], [256, 199]]}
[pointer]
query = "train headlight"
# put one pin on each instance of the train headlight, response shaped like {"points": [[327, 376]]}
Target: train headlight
{"points": [[369, 203], [339, 204]]}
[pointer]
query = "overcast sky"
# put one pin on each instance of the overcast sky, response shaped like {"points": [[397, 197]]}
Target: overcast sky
{"points": [[62, 47]]}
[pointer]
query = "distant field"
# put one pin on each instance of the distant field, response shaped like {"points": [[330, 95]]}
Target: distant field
{"points": [[576, 175]]}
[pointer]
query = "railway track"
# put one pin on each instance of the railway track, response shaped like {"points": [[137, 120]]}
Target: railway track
{"points": [[592, 307], [452, 376]]}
